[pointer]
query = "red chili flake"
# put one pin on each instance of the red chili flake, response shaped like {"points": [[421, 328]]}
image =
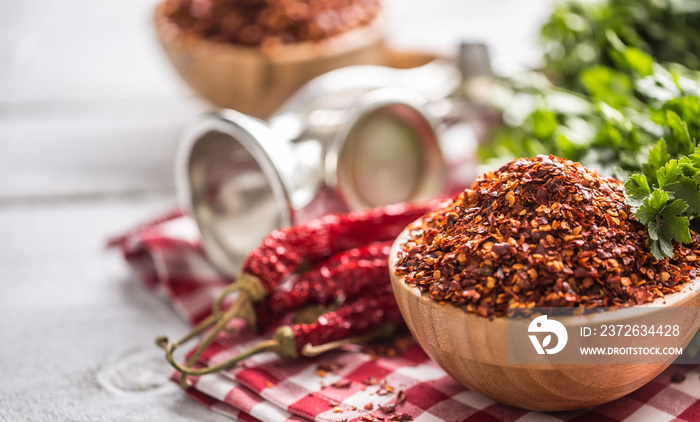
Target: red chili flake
{"points": [[333, 403], [388, 408], [384, 388], [344, 383], [269, 23], [369, 406], [400, 417], [677, 377], [401, 397], [371, 381], [541, 232], [333, 367]]}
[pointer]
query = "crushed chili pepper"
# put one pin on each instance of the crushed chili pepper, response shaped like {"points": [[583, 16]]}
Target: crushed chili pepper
{"points": [[269, 23], [388, 408], [344, 383], [401, 397], [384, 388], [540, 232], [399, 344], [333, 367]]}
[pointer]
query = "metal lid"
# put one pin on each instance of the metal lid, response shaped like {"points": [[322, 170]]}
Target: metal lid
{"points": [[235, 177], [388, 152]]}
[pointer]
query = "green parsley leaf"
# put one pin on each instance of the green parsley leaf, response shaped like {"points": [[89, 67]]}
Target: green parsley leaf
{"points": [[672, 179], [544, 123], [607, 85], [674, 224], [669, 173], [680, 142], [637, 189], [658, 156], [665, 222], [651, 207]]}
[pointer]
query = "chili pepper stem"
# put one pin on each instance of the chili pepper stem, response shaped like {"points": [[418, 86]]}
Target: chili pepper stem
{"points": [[216, 308], [383, 331], [266, 346], [272, 345], [220, 324], [254, 291], [220, 320], [240, 301], [162, 341]]}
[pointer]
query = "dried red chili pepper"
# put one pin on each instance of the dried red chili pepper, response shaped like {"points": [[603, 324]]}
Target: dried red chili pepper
{"points": [[364, 319], [356, 318], [540, 232], [284, 250], [345, 275], [289, 248], [369, 252]]}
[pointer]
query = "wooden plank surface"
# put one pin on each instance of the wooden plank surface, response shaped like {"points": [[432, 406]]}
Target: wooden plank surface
{"points": [[76, 330], [90, 116], [90, 147]]}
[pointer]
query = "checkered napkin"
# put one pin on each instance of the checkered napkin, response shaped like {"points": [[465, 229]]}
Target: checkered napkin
{"points": [[350, 384]]}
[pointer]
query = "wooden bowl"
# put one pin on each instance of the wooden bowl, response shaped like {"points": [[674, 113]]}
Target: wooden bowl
{"points": [[474, 350], [254, 82]]}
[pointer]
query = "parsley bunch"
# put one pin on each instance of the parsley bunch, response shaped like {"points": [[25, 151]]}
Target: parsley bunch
{"points": [[637, 120], [574, 38]]}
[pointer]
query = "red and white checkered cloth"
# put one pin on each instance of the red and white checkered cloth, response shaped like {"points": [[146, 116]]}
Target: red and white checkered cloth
{"points": [[167, 256]]}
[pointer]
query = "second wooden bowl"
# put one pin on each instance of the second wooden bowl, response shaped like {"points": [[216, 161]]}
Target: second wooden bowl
{"points": [[254, 82], [474, 350]]}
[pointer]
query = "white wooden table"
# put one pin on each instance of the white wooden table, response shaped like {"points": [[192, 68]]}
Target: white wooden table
{"points": [[90, 114]]}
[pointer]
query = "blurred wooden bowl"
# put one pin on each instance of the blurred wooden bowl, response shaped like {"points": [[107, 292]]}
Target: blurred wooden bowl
{"points": [[254, 82], [474, 350]]}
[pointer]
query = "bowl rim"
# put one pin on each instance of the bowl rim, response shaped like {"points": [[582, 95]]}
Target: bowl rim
{"points": [[170, 34]]}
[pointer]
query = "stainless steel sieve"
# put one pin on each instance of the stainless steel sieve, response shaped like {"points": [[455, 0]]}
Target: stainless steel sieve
{"points": [[354, 138]]}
